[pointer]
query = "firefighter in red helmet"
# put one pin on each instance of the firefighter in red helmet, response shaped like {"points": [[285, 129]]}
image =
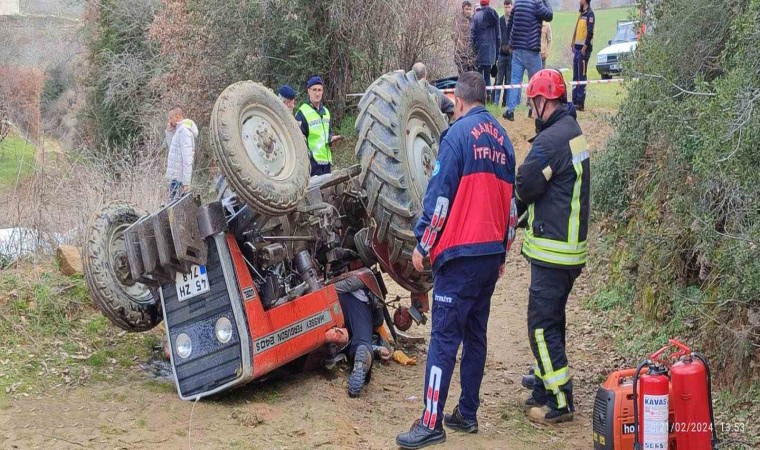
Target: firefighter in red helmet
{"points": [[553, 185]]}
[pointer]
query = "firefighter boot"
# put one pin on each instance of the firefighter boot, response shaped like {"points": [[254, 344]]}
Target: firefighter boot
{"points": [[529, 380], [547, 416], [455, 421], [529, 401], [551, 413], [362, 371], [420, 436]]}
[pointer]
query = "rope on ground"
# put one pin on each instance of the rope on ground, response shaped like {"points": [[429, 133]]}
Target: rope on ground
{"points": [[190, 426]]}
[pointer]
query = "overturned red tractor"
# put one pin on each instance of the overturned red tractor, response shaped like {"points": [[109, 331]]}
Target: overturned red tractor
{"points": [[249, 283]]}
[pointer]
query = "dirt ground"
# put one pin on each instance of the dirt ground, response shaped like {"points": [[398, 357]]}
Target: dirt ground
{"points": [[312, 410]]}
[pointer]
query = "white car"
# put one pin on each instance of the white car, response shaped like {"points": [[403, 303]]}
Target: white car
{"points": [[609, 61]]}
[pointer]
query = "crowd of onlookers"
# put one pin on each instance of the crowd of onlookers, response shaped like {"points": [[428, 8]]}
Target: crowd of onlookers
{"points": [[519, 41]]}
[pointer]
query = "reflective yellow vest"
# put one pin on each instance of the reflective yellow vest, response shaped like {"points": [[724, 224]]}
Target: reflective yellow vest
{"points": [[319, 133]]}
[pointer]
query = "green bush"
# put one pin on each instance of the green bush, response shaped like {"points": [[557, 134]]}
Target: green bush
{"points": [[122, 63], [680, 177]]}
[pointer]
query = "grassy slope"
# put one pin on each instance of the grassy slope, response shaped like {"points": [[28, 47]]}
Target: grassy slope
{"points": [[51, 335], [16, 161]]}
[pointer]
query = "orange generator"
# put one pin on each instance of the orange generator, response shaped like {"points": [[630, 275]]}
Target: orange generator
{"points": [[664, 404]]}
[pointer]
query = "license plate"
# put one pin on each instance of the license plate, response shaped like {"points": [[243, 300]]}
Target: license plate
{"points": [[192, 284]]}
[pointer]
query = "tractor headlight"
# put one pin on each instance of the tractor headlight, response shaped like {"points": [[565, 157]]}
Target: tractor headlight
{"points": [[223, 330], [183, 345]]}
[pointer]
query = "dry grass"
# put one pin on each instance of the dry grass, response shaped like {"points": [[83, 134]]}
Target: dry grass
{"points": [[64, 190]]}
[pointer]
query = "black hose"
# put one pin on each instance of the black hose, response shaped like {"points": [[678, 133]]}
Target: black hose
{"points": [[715, 440], [636, 443]]}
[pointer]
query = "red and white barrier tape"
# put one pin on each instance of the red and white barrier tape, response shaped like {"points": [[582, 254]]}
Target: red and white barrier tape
{"points": [[525, 85]]}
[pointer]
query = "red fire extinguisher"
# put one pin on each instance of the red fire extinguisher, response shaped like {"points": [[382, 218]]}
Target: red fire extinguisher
{"points": [[691, 395], [688, 386], [650, 407]]}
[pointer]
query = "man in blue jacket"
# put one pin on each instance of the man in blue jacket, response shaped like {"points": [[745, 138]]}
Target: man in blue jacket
{"points": [[485, 36], [504, 63], [524, 30], [466, 228]]}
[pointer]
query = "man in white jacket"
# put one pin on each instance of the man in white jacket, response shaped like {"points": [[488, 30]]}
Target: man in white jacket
{"points": [[180, 137]]}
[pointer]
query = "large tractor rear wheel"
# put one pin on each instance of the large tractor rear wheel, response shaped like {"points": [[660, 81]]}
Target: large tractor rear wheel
{"points": [[399, 127], [130, 306], [260, 148]]}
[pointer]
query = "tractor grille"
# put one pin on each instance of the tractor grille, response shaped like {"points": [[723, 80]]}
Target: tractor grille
{"points": [[211, 364]]}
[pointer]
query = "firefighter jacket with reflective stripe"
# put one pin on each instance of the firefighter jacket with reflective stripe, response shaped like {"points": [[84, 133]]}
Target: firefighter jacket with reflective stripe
{"points": [[318, 127], [554, 184], [468, 208]]}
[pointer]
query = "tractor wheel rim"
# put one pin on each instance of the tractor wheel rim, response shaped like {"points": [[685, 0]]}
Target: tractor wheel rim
{"points": [[262, 134], [117, 256], [423, 149]]}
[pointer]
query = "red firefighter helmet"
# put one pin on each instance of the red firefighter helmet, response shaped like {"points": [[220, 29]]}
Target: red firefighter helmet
{"points": [[547, 83]]}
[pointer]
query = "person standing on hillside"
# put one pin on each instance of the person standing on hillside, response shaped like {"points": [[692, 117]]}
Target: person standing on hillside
{"points": [[546, 42], [485, 37], [553, 185], [314, 118], [461, 36], [524, 31], [504, 62], [466, 235], [180, 137], [581, 46]]}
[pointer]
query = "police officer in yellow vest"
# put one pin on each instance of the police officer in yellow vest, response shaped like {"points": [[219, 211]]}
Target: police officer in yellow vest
{"points": [[314, 119]]}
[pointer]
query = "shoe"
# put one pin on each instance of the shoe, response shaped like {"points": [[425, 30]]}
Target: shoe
{"points": [[528, 380], [528, 402], [420, 436], [455, 421], [509, 115], [580, 108], [362, 371], [547, 416]]}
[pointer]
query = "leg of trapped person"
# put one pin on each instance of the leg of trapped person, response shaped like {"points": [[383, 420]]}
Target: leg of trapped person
{"points": [[474, 346], [358, 315], [552, 391]]}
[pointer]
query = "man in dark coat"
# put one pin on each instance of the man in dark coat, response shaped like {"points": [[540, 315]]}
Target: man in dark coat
{"points": [[485, 39], [504, 63]]}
